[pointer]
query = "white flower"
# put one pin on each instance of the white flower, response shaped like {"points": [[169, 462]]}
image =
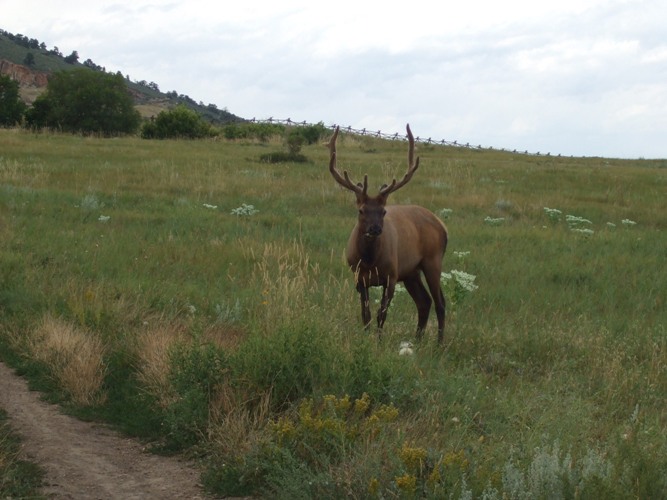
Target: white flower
{"points": [[553, 213], [104, 218], [465, 280], [212, 207], [628, 222], [494, 221], [585, 231], [244, 209], [445, 213], [575, 220]]}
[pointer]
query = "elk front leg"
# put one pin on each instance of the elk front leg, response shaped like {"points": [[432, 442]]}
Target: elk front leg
{"points": [[364, 295], [387, 295]]}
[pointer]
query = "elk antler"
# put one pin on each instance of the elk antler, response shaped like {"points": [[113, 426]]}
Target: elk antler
{"points": [[412, 168], [344, 180]]}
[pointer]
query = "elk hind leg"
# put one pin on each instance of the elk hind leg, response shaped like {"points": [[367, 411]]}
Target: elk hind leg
{"points": [[432, 274], [422, 300]]}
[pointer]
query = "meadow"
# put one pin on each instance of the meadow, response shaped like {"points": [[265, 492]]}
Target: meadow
{"points": [[197, 298]]}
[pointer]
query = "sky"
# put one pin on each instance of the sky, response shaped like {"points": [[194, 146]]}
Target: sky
{"points": [[569, 77]]}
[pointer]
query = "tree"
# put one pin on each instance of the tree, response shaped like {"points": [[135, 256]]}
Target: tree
{"points": [[72, 58], [12, 107], [179, 122], [29, 59], [81, 100]]}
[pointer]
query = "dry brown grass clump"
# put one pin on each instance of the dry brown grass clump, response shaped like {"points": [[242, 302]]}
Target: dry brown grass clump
{"points": [[153, 350], [155, 346], [75, 358]]}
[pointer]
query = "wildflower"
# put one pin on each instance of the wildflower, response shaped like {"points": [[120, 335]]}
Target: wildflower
{"points": [[407, 483], [628, 222], [445, 213], [574, 220], [212, 207], [104, 218], [386, 413], [362, 404], [461, 255], [465, 280], [494, 221], [373, 486], [553, 213], [584, 231], [244, 209], [413, 458]]}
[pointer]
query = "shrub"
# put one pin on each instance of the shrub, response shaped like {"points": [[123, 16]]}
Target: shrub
{"points": [[11, 105], [177, 123], [196, 376], [260, 131]]}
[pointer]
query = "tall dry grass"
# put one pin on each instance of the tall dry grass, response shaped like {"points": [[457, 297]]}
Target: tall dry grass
{"points": [[152, 353], [75, 358]]}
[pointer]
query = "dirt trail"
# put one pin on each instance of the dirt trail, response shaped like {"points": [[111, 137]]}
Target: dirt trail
{"points": [[89, 461]]}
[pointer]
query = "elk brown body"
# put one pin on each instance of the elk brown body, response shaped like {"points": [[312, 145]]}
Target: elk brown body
{"points": [[394, 243]]}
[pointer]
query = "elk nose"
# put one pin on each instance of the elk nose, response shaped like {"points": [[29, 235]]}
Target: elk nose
{"points": [[375, 230]]}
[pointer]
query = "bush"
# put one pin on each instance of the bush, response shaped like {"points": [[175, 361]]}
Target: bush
{"points": [[85, 101], [11, 106], [197, 373], [260, 131], [311, 134], [177, 123]]}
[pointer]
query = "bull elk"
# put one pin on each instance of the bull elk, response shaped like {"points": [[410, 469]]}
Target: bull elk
{"points": [[394, 243]]}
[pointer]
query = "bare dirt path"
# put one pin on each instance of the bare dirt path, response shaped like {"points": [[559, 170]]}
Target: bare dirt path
{"points": [[89, 461]]}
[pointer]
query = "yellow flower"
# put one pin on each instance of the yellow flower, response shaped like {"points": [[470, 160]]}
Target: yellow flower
{"points": [[373, 487], [407, 483], [413, 458], [362, 404]]}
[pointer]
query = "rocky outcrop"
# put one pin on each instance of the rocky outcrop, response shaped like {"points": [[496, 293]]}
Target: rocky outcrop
{"points": [[24, 75]]}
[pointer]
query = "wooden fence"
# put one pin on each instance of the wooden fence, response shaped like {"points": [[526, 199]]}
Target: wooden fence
{"points": [[392, 137]]}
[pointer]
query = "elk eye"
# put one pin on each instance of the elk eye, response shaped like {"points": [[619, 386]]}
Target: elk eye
{"points": [[384, 212], [361, 211]]}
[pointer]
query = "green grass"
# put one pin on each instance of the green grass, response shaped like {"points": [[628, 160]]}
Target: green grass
{"points": [[18, 478], [555, 368]]}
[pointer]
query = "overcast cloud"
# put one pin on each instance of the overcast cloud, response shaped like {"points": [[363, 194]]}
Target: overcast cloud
{"points": [[571, 77]]}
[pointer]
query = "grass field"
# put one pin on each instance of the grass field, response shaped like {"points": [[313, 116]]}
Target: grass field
{"points": [[138, 287]]}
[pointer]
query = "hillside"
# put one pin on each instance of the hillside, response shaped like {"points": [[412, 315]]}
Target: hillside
{"points": [[30, 62]]}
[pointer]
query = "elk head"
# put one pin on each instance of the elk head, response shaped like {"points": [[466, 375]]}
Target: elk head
{"points": [[372, 208]]}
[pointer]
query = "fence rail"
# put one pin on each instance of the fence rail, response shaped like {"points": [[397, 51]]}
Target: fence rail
{"points": [[393, 137]]}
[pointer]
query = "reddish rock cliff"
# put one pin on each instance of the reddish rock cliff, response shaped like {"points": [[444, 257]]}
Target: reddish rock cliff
{"points": [[24, 75]]}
